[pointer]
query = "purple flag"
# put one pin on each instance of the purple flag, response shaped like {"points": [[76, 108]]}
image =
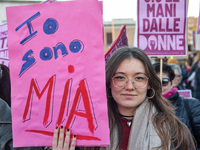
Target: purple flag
{"points": [[121, 41], [4, 59]]}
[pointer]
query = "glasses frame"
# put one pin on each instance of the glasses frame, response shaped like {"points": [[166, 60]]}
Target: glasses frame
{"points": [[177, 76], [131, 82]]}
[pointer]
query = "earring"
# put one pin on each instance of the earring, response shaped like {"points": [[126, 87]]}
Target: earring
{"points": [[153, 91]]}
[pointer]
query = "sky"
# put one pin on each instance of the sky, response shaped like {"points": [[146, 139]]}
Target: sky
{"points": [[114, 9]]}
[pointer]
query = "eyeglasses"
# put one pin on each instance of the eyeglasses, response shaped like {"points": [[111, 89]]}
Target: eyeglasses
{"points": [[165, 81], [138, 81], [177, 76]]}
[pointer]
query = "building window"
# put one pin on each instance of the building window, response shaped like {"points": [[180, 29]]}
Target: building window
{"points": [[109, 38]]}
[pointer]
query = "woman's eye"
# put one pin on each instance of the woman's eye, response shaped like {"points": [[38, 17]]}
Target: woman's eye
{"points": [[139, 78], [120, 78]]}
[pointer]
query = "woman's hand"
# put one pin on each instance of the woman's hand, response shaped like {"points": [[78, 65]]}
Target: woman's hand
{"points": [[62, 142]]}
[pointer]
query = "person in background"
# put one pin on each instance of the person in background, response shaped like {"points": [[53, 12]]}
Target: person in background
{"points": [[187, 109], [195, 72], [188, 68], [5, 92], [177, 81], [172, 61], [139, 117], [183, 72], [5, 126]]}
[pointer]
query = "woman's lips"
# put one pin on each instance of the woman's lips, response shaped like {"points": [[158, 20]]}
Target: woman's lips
{"points": [[128, 96]]}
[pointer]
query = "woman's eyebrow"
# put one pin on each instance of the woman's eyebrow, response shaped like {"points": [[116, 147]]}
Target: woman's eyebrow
{"points": [[123, 73], [140, 73], [119, 73]]}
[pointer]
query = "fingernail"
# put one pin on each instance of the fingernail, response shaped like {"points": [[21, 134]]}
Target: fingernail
{"points": [[61, 127], [74, 136], [56, 127], [67, 130]]}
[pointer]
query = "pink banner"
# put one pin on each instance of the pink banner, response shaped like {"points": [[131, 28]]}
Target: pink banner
{"points": [[121, 41], [4, 57], [198, 24], [185, 93], [162, 27], [57, 72]]}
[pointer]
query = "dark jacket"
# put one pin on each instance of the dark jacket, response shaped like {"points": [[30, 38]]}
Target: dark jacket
{"points": [[197, 84], [194, 123], [196, 88], [6, 142], [5, 126]]}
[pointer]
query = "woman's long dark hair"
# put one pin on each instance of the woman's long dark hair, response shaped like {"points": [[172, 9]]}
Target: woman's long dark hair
{"points": [[168, 127]]}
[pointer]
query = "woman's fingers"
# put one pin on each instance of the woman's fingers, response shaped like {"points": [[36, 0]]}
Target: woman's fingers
{"points": [[67, 139], [73, 143], [61, 137], [55, 138], [62, 142]]}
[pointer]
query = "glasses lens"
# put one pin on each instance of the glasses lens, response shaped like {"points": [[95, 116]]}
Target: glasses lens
{"points": [[165, 81], [119, 81], [140, 81], [177, 76]]}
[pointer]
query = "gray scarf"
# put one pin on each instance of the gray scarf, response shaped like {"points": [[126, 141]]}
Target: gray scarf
{"points": [[143, 136]]}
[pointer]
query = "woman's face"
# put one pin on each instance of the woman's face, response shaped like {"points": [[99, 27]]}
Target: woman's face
{"points": [[128, 97], [166, 83]]}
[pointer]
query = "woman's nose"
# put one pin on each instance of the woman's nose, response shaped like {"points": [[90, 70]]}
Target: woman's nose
{"points": [[130, 85]]}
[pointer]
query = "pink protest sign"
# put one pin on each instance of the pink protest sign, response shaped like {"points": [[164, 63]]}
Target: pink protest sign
{"points": [[185, 93], [4, 57], [57, 72], [162, 27]]}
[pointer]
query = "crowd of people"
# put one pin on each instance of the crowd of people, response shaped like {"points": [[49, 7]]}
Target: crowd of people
{"points": [[182, 105], [187, 73], [145, 110]]}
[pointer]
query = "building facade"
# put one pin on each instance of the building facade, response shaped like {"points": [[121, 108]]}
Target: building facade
{"points": [[191, 27], [7, 3]]}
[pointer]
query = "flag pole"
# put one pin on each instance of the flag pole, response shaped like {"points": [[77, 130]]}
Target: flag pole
{"points": [[161, 68]]}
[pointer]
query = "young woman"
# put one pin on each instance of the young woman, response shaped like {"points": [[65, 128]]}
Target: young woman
{"points": [[139, 117]]}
